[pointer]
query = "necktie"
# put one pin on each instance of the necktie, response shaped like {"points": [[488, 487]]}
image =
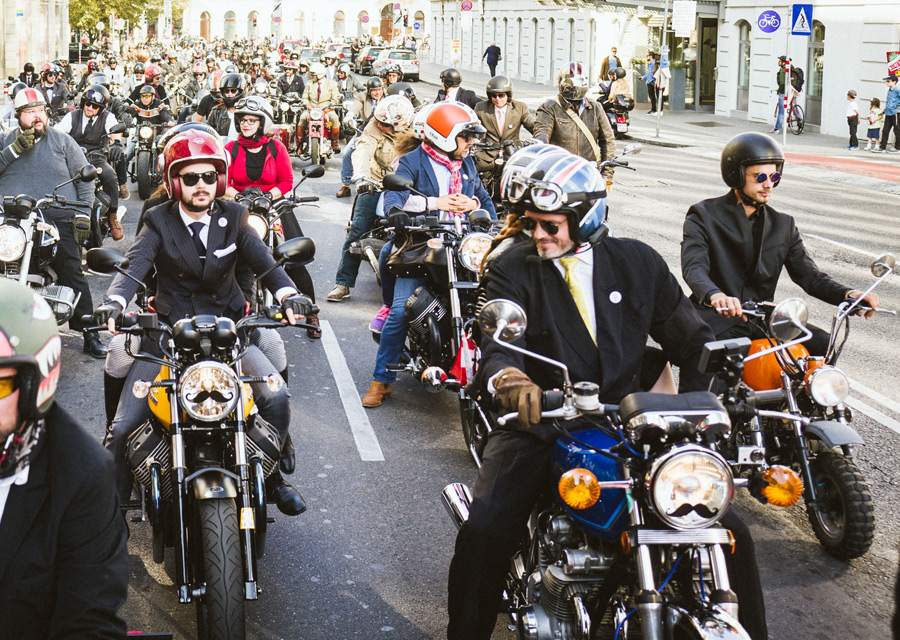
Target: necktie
{"points": [[319, 92], [501, 120], [88, 126], [569, 263], [196, 228]]}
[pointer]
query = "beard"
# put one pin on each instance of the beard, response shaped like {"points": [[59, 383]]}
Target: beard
{"points": [[40, 129], [192, 204], [550, 248]]}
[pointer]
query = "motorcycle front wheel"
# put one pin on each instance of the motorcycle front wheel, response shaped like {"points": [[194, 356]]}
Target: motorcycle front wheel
{"points": [[314, 150], [143, 174], [845, 522], [220, 611]]}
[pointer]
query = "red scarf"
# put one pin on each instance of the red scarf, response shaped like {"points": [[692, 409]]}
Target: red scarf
{"points": [[250, 143], [453, 165]]}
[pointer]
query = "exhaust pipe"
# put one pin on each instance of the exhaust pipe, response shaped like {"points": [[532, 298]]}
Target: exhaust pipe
{"points": [[433, 379], [457, 499]]}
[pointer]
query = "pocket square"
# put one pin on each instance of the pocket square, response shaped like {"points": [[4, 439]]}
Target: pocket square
{"points": [[221, 253]]}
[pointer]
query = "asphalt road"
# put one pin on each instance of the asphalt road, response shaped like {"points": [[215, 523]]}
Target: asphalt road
{"points": [[369, 558]]}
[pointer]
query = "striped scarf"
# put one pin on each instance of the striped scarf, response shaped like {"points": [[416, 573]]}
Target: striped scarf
{"points": [[453, 166]]}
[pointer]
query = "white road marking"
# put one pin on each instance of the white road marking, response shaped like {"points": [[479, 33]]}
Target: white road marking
{"points": [[880, 398], [363, 433], [874, 413], [841, 244]]}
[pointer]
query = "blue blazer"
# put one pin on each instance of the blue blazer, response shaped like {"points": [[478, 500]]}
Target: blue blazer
{"points": [[417, 166]]}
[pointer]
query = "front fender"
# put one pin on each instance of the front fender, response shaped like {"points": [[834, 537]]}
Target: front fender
{"points": [[701, 623], [213, 483], [833, 434]]}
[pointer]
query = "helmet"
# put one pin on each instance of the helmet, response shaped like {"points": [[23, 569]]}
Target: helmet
{"points": [[402, 89], [15, 88], [151, 71], [99, 78], [295, 55], [747, 149], [231, 68], [572, 81], [147, 90], [396, 111], [30, 343], [620, 73], [257, 61], [451, 77], [255, 106], [92, 66], [318, 70], [29, 68], [28, 98], [171, 54], [521, 159], [329, 55], [155, 58], [232, 81], [344, 68], [373, 83], [112, 60], [303, 62], [290, 64], [49, 68], [447, 120], [200, 68], [139, 68], [174, 131], [97, 95], [188, 148], [393, 68], [214, 80], [499, 84], [210, 58]]}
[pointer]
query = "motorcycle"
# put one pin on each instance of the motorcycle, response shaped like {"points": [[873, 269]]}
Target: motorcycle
{"points": [[490, 178], [28, 244], [317, 137], [201, 460], [372, 242], [348, 127], [143, 169], [617, 112], [289, 107]]}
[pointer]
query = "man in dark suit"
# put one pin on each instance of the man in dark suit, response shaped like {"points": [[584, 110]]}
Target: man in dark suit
{"points": [[450, 80], [502, 118], [194, 241], [492, 55], [64, 556], [735, 246]]}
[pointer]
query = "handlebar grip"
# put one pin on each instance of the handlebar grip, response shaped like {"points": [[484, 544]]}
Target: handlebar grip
{"points": [[307, 199], [552, 399], [87, 320]]}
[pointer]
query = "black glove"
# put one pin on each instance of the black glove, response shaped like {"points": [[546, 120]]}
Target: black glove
{"points": [[517, 392], [399, 220], [299, 304], [252, 192], [109, 309], [115, 153]]}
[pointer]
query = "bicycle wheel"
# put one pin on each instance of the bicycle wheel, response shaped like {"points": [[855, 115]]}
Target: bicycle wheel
{"points": [[796, 120]]}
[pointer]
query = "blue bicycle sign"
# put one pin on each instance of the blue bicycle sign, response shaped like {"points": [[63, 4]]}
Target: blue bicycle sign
{"points": [[769, 21]]}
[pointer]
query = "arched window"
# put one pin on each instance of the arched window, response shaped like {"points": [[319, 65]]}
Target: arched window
{"points": [[230, 26], [253, 24], [204, 26], [387, 22], [743, 66], [418, 24], [339, 24]]}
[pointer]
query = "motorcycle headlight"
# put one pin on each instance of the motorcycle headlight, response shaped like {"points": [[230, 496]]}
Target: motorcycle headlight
{"points": [[259, 225], [208, 391], [284, 106], [472, 250], [146, 132], [12, 243], [828, 386], [690, 487], [296, 107], [316, 114]]}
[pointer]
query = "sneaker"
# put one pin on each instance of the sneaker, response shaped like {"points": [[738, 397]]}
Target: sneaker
{"points": [[868, 147], [775, 131], [852, 148], [893, 150], [877, 150], [338, 293], [650, 113], [380, 318]]}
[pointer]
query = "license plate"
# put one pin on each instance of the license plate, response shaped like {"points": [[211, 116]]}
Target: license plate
{"points": [[622, 127]]}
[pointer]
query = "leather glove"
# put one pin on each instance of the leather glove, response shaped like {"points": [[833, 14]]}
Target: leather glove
{"points": [[516, 392], [109, 309], [299, 304], [252, 192], [399, 220], [115, 153], [23, 142]]}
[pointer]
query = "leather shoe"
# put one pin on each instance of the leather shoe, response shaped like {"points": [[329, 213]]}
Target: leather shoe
{"points": [[316, 333], [93, 346], [288, 458], [376, 394], [286, 498], [344, 192]]}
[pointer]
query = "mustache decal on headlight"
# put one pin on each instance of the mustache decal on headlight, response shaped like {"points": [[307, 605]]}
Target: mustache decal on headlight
{"points": [[702, 510], [203, 396]]}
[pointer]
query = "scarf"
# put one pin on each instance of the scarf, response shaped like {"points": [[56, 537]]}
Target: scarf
{"points": [[452, 165], [250, 143], [21, 447]]}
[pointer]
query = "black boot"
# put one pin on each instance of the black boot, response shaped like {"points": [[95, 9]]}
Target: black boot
{"points": [[288, 459], [112, 393], [286, 498], [93, 346]]}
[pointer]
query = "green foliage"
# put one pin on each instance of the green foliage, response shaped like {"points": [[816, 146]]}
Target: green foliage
{"points": [[85, 14]]}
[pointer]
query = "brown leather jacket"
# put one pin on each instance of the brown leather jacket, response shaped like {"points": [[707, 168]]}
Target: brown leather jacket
{"points": [[554, 126]]}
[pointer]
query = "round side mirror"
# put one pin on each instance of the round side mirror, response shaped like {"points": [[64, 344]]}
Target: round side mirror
{"points": [[883, 264], [105, 260], [316, 171], [634, 147], [788, 319], [88, 172], [296, 249], [395, 182], [506, 314]]}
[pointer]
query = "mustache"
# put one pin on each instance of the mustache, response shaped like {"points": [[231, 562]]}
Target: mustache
{"points": [[702, 510]]}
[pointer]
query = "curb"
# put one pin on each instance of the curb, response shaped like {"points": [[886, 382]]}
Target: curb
{"points": [[656, 142]]}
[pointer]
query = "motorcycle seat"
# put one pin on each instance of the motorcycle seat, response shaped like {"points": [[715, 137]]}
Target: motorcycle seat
{"points": [[636, 404]]}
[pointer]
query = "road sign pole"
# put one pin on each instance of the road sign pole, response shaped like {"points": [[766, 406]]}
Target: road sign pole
{"points": [[788, 87], [664, 41]]}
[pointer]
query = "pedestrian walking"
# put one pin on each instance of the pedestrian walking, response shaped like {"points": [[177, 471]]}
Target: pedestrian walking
{"points": [[493, 56], [875, 120], [650, 79], [852, 119], [609, 63], [891, 107]]}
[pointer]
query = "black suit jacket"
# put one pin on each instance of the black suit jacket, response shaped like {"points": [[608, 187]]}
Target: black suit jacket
{"points": [[186, 285], [64, 554], [635, 295], [717, 256], [60, 98], [463, 95]]}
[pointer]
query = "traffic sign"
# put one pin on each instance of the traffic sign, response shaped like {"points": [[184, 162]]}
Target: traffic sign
{"points": [[893, 58], [466, 5], [802, 20], [417, 26], [364, 19], [768, 21], [397, 6]]}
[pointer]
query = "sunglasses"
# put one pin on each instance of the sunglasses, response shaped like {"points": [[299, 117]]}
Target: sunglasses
{"points": [[230, 92], [191, 179], [546, 196], [92, 105], [8, 385], [530, 224], [762, 177]]}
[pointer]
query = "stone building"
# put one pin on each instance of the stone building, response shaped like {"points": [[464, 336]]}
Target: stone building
{"points": [[35, 31]]}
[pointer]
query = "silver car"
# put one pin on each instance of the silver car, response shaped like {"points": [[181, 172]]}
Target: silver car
{"points": [[407, 60]]}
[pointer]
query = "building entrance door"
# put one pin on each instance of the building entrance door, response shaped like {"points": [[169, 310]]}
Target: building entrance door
{"points": [[709, 32]]}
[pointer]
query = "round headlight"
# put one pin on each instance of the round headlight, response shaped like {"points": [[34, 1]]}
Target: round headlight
{"points": [[828, 386], [12, 243], [284, 106], [690, 487], [259, 225], [472, 250], [208, 391], [146, 132], [316, 114]]}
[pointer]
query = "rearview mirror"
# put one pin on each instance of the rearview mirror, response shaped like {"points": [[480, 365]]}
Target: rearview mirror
{"points": [[118, 128], [106, 260], [295, 250], [634, 147], [883, 264], [789, 319], [316, 171], [396, 182], [88, 173], [505, 315]]}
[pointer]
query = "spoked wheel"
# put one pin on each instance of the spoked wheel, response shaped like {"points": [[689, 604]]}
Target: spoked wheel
{"points": [[220, 611], [797, 120], [476, 428], [845, 523], [314, 152]]}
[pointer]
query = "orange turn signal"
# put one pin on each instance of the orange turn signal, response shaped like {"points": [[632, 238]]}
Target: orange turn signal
{"points": [[579, 488], [785, 486]]}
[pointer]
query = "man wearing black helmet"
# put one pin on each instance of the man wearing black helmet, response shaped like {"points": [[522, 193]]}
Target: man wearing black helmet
{"points": [[221, 117], [503, 118], [56, 93], [64, 562], [28, 76], [450, 81], [735, 246]]}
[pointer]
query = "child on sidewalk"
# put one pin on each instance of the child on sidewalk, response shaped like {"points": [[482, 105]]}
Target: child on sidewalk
{"points": [[876, 119], [852, 119]]}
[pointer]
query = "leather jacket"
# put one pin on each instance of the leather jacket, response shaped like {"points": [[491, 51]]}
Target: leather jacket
{"points": [[554, 126]]}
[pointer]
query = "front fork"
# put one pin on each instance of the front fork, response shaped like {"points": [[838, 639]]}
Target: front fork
{"points": [[247, 512], [802, 450]]}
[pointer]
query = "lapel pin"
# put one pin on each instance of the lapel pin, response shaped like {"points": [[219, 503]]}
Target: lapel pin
{"points": [[465, 177], [615, 297], [223, 222]]}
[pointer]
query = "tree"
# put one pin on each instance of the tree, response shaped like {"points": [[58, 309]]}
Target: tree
{"points": [[85, 14]]}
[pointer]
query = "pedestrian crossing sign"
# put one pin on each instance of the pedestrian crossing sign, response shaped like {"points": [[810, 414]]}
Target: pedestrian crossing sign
{"points": [[802, 22]]}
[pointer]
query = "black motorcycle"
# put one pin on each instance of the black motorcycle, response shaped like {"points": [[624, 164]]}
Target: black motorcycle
{"points": [[617, 112], [143, 168]]}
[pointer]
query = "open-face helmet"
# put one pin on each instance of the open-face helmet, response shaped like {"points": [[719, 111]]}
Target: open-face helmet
{"points": [[317, 69], [192, 147], [747, 149], [151, 71], [28, 98], [451, 77], [396, 111], [444, 121], [96, 95], [255, 106], [498, 85]]}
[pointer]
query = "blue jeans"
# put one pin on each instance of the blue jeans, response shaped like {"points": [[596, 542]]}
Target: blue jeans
{"points": [[393, 335], [363, 220], [347, 163], [779, 112]]}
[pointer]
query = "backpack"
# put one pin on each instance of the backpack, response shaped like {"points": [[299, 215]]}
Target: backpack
{"points": [[797, 78]]}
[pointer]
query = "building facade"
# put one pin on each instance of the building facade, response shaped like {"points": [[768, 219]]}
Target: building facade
{"points": [[35, 31]]}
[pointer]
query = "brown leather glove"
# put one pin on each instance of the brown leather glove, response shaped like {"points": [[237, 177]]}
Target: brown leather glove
{"points": [[516, 392]]}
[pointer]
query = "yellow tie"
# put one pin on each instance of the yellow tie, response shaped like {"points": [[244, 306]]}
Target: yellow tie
{"points": [[569, 263]]}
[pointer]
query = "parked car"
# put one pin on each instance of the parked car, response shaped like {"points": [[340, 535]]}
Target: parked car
{"points": [[345, 52], [407, 60], [311, 54], [86, 51], [365, 59]]}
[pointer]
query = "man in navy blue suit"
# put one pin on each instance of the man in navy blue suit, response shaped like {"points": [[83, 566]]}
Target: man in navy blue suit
{"points": [[442, 170]]}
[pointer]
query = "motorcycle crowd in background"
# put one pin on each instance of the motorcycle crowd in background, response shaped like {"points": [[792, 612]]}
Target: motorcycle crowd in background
{"points": [[657, 542]]}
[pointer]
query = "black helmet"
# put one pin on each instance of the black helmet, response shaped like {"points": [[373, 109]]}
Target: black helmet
{"points": [[402, 89], [747, 149], [499, 84], [620, 73], [155, 58], [146, 90], [97, 95], [451, 78], [29, 68], [373, 83], [232, 81], [138, 68], [99, 78], [16, 88]]}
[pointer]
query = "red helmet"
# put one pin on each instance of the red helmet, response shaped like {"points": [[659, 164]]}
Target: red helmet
{"points": [[192, 147], [200, 68], [151, 71]]}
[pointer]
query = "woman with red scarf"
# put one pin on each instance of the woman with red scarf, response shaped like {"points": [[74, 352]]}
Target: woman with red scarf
{"points": [[263, 163]]}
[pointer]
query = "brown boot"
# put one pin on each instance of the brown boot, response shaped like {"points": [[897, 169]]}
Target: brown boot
{"points": [[301, 141], [344, 191], [376, 394], [316, 333], [336, 140], [114, 227]]}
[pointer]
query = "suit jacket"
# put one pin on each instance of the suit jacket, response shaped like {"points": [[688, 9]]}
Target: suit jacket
{"points": [[517, 116], [635, 295], [717, 256], [64, 556], [553, 125], [417, 165], [331, 94], [186, 285], [465, 96], [60, 98]]}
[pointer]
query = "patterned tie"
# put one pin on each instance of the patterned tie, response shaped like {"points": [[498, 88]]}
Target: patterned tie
{"points": [[196, 228], [569, 262], [319, 92]]}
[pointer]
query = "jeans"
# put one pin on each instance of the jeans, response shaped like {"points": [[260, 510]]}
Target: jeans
{"points": [[347, 163], [393, 335], [779, 112], [853, 123], [363, 220]]}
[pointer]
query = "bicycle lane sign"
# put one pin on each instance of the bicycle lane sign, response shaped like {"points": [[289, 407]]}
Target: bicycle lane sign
{"points": [[768, 21]]}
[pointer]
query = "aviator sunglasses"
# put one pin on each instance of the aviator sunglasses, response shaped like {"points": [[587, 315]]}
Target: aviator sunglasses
{"points": [[530, 224], [191, 179], [8, 385]]}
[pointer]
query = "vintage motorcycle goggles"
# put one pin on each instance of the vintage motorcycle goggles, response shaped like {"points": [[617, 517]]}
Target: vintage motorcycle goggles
{"points": [[191, 179], [8, 385], [546, 196], [248, 104], [762, 177]]}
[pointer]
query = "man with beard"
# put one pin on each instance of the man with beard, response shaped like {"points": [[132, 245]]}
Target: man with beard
{"points": [[34, 159]]}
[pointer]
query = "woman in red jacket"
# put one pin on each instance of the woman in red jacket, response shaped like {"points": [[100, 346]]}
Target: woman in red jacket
{"points": [[263, 162]]}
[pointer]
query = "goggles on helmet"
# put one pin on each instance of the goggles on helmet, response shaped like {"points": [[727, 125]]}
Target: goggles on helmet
{"points": [[545, 196]]}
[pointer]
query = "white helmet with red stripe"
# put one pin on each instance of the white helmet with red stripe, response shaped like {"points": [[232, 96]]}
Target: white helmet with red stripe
{"points": [[28, 98], [572, 81], [444, 121]]}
